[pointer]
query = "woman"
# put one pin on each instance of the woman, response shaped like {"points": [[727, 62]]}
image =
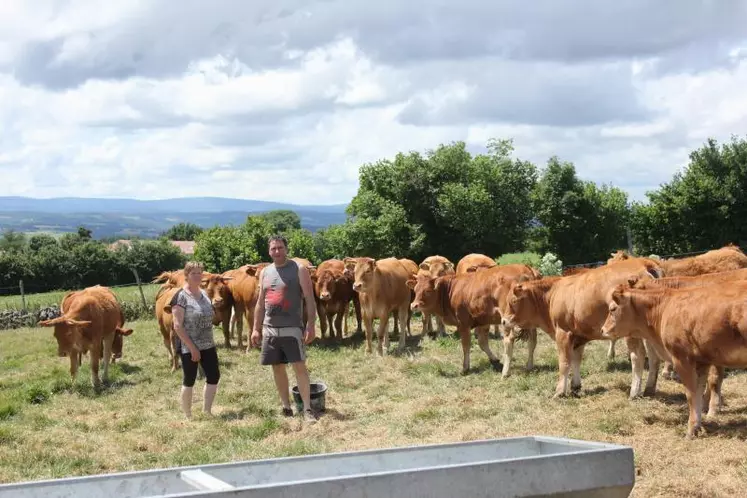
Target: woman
{"points": [[193, 324]]}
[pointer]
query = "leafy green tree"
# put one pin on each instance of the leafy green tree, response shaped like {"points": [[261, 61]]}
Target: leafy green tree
{"points": [[301, 245], [183, 231], [702, 207], [12, 241], [282, 220], [39, 240], [578, 221], [447, 203]]}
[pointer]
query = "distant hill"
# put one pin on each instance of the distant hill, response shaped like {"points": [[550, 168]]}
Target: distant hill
{"points": [[146, 218]]}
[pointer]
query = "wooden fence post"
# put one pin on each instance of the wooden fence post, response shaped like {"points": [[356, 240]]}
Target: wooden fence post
{"points": [[139, 286], [23, 295]]}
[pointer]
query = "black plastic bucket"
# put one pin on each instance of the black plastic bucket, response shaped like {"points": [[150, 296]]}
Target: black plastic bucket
{"points": [[318, 396]]}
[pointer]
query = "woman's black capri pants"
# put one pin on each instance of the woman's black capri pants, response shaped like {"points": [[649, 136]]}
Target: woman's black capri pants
{"points": [[209, 362]]}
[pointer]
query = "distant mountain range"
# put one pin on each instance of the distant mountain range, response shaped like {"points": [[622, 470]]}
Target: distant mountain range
{"points": [[147, 218]]}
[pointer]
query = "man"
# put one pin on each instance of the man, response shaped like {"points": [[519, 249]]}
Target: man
{"points": [[278, 321]]}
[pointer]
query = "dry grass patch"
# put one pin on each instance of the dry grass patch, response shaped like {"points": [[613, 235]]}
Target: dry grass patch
{"points": [[51, 428]]}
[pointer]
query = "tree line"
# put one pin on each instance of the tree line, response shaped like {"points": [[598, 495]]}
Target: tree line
{"points": [[445, 201], [76, 260], [450, 202]]}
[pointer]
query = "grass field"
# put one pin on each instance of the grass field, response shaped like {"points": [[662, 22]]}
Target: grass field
{"points": [[35, 301], [49, 428]]}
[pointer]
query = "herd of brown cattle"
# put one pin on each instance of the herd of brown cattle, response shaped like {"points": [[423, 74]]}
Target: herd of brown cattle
{"points": [[690, 312]]}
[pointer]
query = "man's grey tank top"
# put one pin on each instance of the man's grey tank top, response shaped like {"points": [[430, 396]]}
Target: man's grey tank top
{"points": [[283, 296]]}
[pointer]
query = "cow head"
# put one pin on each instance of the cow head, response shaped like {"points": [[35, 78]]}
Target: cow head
{"points": [[364, 271], [328, 282], [253, 270], [620, 315], [517, 306], [216, 287], [69, 334], [118, 342], [426, 288], [437, 268]]}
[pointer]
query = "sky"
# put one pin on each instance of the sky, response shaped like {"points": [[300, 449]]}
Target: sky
{"points": [[284, 100]]}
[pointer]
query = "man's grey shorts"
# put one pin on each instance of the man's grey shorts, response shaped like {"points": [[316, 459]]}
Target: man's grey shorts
{"points": [[282, 345]]}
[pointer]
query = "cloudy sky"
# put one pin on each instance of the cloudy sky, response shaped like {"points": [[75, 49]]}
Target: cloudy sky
{"points": [[285, 99]]}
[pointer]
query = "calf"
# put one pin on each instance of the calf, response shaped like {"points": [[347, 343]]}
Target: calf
{"points": [[90, 322], [471, 300], [572, 309], [333, 289], [434, 266], [382, 288], [693, 327]]}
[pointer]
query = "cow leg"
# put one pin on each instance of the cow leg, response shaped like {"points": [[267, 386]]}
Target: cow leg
{"points": [[654, 360], [427, 325], [323, 318], [563, 344], [225, 325], [404, 318], [466, 337], [368, 324], [483, 340], [694, 387], [107, 356], [508, 351], [578, 354], [441, 327], [637, 359], [395, 316], [358, 314], [74, 364], [249, 314], [712, 396], [338, 323], [531, 346], [611, 350], [383, 335]]}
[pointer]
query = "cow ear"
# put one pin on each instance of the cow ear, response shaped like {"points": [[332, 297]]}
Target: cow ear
{"points": [[519, 289], [251, 270], [472, 269], [124, 331], [78, 323], [449, 265], [411, 283], [167, 309], [53, 321], [226, 279], [425, 266]]}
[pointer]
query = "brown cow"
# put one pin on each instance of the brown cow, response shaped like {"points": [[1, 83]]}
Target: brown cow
{"points": [[693, 327], [717, 260], [573, 309], [727, 258], [244, 290], [713, 394], [92, 320], [333, 290], [435, 266], [472, 262], [382, 288], [470, 300], [117, 344]]}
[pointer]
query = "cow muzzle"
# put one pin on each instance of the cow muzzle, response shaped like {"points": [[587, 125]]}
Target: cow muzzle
{"points": [[325, 296], [415, 306], [357, 286]]}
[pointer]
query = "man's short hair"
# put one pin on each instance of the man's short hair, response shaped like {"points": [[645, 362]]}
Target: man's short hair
{"points": [[276, 238]]}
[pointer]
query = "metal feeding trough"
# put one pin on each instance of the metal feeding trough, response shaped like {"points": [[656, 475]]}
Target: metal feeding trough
{"points": [[533, 466]]}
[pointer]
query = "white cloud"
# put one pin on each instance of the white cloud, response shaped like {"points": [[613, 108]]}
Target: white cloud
{"points": [[285, 102]]}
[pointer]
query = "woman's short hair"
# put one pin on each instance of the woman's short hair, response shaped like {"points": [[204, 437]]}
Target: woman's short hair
{"points": [[192, 266]]}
